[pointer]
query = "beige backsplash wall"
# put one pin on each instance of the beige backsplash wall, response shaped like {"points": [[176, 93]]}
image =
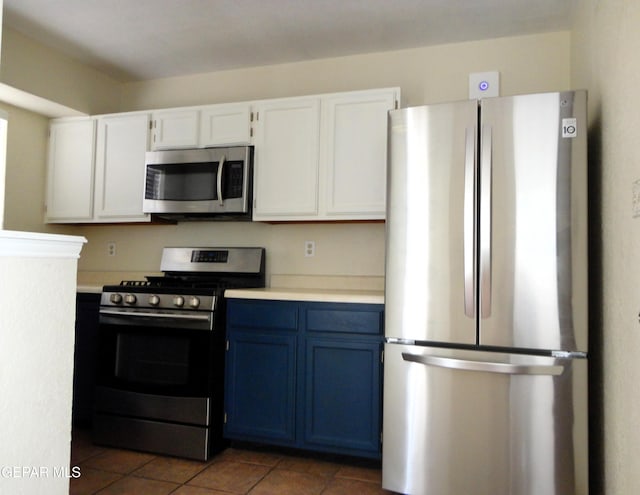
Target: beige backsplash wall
{"points": [[342, 250]]}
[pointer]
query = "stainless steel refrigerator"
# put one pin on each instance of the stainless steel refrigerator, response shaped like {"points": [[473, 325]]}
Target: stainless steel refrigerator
{"points": [[485, 380]]}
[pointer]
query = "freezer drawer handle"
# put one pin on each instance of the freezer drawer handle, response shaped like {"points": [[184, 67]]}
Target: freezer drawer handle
{"points": [[489, 367]]}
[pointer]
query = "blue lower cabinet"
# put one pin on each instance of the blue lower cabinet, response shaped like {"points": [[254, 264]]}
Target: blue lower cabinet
{"points": [[305, 375], [260, 387], [342, 408]]}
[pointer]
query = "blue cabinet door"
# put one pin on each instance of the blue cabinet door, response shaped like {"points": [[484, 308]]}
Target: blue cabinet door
{"points": [[260, 387], [343, 396]]}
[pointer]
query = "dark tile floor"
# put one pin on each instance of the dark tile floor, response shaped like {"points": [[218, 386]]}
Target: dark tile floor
{"points": [[254, 471]]}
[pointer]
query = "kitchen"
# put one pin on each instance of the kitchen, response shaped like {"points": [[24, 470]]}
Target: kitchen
{"points": [[589, 55]]}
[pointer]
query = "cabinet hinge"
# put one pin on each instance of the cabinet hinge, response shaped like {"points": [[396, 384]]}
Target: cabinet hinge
{"points": [[225, 418], [251, 132], [397, 104], [257, 116], [251, 117], [150, 124], [226, 346], [382, 356]]}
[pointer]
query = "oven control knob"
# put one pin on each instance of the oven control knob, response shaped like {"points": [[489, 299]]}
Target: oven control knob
{"points": [[116, 299], [154, 300], [178, 301], [194, 302], [130, 299]]}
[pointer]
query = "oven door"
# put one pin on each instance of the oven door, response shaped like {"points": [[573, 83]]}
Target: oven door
{"points": [[198, 181], [160, 355]]}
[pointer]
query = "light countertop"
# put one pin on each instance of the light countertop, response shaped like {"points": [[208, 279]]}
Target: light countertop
{"points": [[364, 290], [312, 295], [89, 289]]}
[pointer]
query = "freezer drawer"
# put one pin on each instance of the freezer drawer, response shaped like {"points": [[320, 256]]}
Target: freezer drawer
{"points": [[473, 422]]}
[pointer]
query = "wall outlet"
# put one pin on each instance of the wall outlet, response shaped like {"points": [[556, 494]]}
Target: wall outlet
{"points": [[309, 248], [111, 248]]}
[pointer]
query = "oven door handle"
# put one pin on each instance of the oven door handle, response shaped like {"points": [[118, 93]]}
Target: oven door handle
{"points": [[124, 314]]}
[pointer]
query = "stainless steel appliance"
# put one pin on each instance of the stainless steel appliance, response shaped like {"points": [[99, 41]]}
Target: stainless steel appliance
{"points": [[160, 372], [203, 183], [485, 381]]}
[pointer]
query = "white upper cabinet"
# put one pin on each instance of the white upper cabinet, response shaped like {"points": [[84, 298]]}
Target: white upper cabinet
{"points": [[286, 157], [322, 158], [97, 177], [179, 128], [70, 170], [226, 124], [354, 155], [199, 127], [120, 166]]}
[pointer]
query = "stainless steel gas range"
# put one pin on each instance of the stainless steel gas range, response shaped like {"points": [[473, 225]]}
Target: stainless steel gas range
{"points": [[160, 371]]}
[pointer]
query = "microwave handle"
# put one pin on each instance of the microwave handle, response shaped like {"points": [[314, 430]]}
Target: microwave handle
{"points": [[219, 182]]}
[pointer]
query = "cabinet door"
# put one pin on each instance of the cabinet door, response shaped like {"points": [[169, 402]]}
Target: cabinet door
{"points": [[121, 146], [70, 171], [355, 153], [343, 396], [287, 140], [260, 387], [222, 125], [175, 129]]}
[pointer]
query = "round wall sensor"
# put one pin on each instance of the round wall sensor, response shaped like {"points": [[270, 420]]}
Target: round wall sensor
{"points": [[483, 85]]}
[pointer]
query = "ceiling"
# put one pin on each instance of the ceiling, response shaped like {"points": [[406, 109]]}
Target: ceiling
{"points": [[147, 39]]}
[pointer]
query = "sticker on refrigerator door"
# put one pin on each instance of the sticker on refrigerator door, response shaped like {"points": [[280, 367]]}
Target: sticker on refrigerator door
{"points": [[569, 128]]}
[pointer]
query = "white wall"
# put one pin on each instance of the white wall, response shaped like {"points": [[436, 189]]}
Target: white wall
{"points": [[2, 158], [605, 47], [26, 170], [31, 67], [36, 361], [3, 164], [527, 64]]}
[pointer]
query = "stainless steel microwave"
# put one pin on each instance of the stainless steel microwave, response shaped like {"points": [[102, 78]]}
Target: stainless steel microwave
{"points": [[203, 183]]}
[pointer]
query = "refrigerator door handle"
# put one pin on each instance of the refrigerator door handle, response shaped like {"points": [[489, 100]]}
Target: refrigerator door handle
{"points": [[469, 240], [484, 366], [485, 221]]}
